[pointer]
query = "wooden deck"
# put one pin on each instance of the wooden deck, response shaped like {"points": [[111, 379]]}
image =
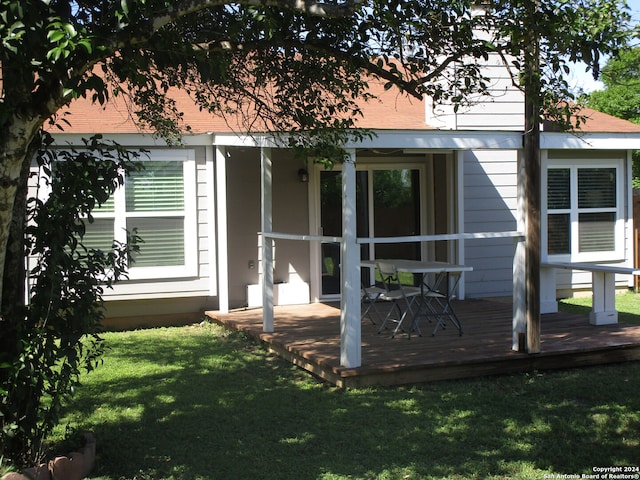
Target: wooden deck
{"points": [[309, 336]]}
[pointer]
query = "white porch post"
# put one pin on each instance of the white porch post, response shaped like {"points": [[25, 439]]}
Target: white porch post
{"points": [[222, 250], [267, 243], [350, 325]]}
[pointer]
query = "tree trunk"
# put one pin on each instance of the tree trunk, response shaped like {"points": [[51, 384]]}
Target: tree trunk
{"points": [[532, 187], [15, 267], [533, 229], [14, 170], [15, 144]]}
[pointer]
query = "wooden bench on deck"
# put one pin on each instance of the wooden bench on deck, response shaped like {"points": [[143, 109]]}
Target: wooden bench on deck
{"points": [[603, 284]]}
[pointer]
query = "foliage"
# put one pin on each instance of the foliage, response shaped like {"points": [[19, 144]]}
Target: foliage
{"points": [[621, 95], [285, 67], [57, 335], [558, 34], [196, 403]]}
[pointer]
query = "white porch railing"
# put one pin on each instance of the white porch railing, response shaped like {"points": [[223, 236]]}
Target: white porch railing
{"points": [[405, 239], [351, 305]]}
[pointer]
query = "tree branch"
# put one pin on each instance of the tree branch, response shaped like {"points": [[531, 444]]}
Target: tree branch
{"points": [[311, 7], [408, 86]]}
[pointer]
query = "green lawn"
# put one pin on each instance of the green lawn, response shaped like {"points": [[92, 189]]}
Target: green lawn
{"points": [[199, 403], [627, 304]]}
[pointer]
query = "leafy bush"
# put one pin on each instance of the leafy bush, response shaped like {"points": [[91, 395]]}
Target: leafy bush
{"points": [[55, 335]]}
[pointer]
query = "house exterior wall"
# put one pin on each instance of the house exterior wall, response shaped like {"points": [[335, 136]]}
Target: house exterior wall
{"points": [[178, 297], [187, 286], [243, 219], [487, 199], [290, 215], [170, 301], [490, 205], [501, 109]]}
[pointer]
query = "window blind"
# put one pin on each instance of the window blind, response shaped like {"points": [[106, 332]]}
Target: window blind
{"points": [[559, 188], [596, 232], [99, 234], [559, 233], [596, 188], [163, 239], [159, 187]]}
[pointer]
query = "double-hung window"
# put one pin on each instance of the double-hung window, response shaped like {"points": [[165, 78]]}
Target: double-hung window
{"points": [[157, 202], [584, 210]]}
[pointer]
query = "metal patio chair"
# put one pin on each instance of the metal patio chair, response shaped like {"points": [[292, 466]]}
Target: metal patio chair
{"points": [[401, 297], [369, 297]]}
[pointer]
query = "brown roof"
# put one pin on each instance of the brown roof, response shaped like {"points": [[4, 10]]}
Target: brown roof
{"points": [[391, 110], [598, 122]]}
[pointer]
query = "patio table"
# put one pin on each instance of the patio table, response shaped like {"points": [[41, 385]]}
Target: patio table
{"points": [[435, 298]]}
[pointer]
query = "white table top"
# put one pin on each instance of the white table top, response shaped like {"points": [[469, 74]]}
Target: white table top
{"points": [[420, 266]]}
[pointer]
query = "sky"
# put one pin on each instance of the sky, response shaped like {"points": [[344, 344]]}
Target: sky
{"points": [[583, 80]]}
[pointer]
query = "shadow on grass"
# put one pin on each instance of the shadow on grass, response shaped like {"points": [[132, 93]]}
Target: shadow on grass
{"points": [[205, 407]]}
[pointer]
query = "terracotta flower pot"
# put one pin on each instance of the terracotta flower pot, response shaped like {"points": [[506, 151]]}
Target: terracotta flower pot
{"points": [[75, 466]]}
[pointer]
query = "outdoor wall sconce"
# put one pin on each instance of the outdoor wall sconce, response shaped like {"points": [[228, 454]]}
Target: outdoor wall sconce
{"points": [[303, 175]]}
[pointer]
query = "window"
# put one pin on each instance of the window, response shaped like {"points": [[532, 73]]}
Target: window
{"points": [[159, 202], [584, 218]]}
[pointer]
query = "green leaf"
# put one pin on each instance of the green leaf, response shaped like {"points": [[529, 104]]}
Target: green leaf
{"points": [[87, 44], [56, 35]]}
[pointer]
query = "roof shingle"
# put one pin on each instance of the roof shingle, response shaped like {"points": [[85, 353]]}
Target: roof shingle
{"points": [[391, 110]]}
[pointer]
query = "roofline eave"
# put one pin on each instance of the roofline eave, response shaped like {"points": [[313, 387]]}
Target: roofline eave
{"points": [[405, 139]]}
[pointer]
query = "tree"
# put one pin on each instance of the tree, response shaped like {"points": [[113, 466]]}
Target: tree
{"points": [[293, 66], [283, 65], [58, 336], [290, 65], [540, 40], [621, 95]]}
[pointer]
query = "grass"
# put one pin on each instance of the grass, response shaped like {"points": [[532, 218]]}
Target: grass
{"points": [[199, 403]]}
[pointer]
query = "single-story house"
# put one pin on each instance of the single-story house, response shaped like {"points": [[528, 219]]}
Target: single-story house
{"points": [[448, 177]]}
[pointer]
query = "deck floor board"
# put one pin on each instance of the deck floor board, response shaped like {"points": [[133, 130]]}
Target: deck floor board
{"points": [[309, 336]]}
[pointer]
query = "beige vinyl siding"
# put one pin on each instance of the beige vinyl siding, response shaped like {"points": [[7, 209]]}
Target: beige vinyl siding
{"points": [[290, 215]]}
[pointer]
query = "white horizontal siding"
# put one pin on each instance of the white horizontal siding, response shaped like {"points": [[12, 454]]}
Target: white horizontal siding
{"points": [[490, 205], [485, 192], [502, 108], [482, 205]]}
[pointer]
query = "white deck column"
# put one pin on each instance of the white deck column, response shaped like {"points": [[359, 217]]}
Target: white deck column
{"points": [[350, 324], [548, 297], [222, 250], [604, 299], [267, 243]]}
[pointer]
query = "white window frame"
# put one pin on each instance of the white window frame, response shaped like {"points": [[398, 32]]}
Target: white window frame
{"points": [[120, 216], [574, 165]]}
